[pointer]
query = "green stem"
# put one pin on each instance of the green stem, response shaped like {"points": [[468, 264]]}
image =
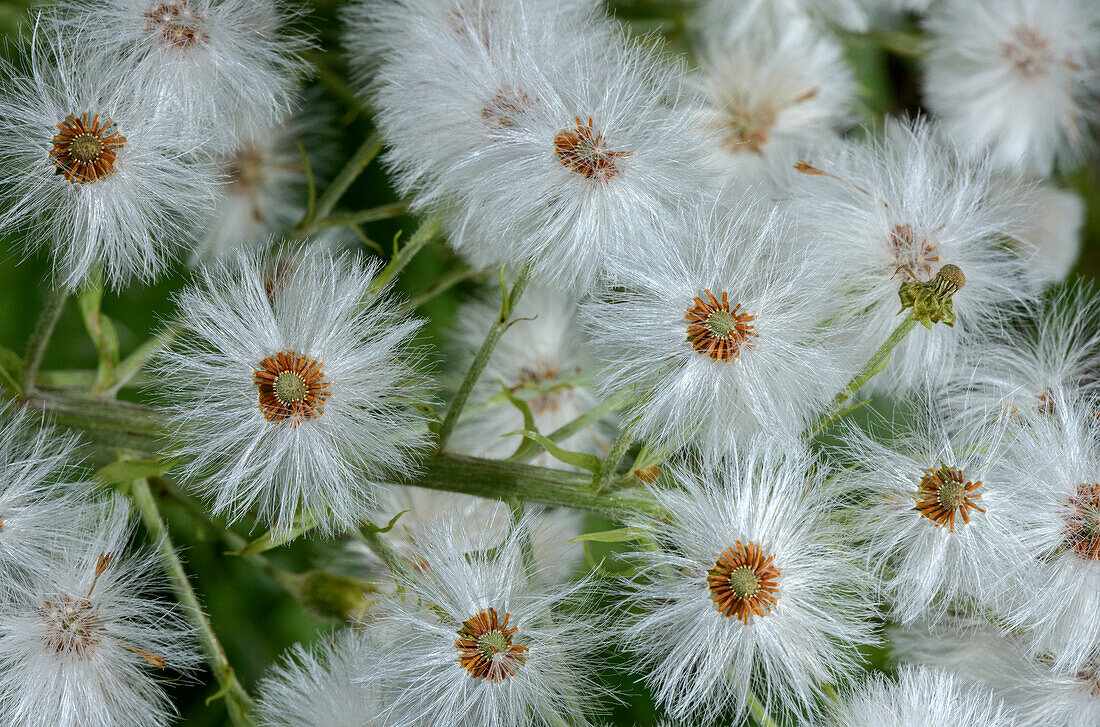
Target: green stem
{"points": [[378, 545], [423, 235], [40, 338], [132, 364], [481, 359], [615, 457], [531, 449], [876, 363], [759, 713], [527, 547], [442, 284], [383, 212], [237, 700], [363, 156]]}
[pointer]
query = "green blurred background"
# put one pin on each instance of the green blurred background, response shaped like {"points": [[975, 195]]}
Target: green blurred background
{"points": [[255, 618]]}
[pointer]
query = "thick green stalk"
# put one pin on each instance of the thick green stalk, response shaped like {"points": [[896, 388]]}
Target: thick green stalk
{"points": [[40, 338], [759, 713], [505, 480], [481, 359], [237, 700], [876, 363], [423, 235], [615, 456]]}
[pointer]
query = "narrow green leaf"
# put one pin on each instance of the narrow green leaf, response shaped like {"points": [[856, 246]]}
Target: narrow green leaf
{"points": [[588, 462], [618, 535], [11, 370], [372, 528], [133, 469]]}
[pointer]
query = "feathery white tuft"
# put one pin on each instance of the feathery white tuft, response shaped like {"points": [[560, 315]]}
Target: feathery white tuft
{"points": [[138, 210], [897, 209], [295, 459], [535, 641], [1019, 78], [779, 368], [701, 662], [92, 643]]}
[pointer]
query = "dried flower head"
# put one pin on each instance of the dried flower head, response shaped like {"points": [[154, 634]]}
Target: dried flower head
{"points": [[945, 493], [487, 647], [743, 582], [84, 152]]}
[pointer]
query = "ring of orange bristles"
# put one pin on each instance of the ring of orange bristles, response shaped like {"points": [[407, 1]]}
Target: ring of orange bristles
{"points": [[304, 400], [84, 152], [724, 342], [743, 582], [582, 150], [485, 647], [1083, 529], [945, 493]]}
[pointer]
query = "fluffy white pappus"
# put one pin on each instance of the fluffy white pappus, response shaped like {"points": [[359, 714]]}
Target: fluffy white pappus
{"points": [[1048, 352], [315, 687], [541, 360], [41, 494], [497, 646], [921, 698], [1038, 694], [1017, 78], [768, 91], [895, 210], [94, 642], [92, 171], [751, 589], [267, 184], [720, 367], [1054, 232], [558, 147], [939, 527], [377, 30], [293, 388], [719, 17], [1054, 467], [551, 529], [216, 66]]}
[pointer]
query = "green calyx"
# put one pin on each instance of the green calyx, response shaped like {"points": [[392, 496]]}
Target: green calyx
{"points": [[931, 300]]}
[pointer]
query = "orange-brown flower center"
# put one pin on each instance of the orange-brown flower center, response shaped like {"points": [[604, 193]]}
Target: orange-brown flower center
{"points": [[1083, 527], [913, 258], [291, 386], [176, 23], [945, 493], [583, 150], [717, 330], [486, 647], [84, 152], [744, 583]]}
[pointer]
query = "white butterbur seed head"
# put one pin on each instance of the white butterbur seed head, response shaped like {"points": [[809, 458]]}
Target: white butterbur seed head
{"points": [[93, 170], [291, 392], [1054, 466], [91, 643], [315, 687], [938, 527], [775, 86], [540, 360], [750, 587], [1038, 693], [476, 640], [552, 141], [1018, 78], [218, 66], [921, 698], [1031, 362], [39, 497], [717, 327], [551, 530], [898, 210]]}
